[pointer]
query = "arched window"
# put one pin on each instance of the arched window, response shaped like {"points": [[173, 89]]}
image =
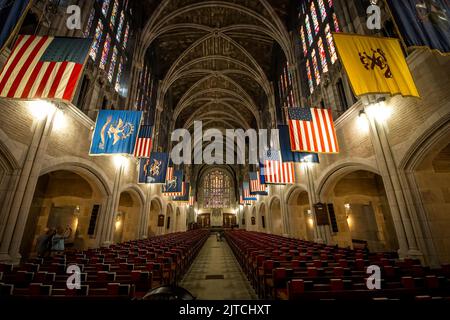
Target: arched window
{"points": [[316, 22], [217, 190], [109, 26]]}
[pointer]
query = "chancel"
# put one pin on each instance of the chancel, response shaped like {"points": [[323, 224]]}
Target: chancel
{"points": [[224, 150]]}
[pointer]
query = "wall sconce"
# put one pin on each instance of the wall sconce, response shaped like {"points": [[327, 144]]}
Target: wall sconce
{"points": [[118, 223], [347, 206]]}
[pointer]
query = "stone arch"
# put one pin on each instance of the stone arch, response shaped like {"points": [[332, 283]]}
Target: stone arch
{"points": [[156, 209], [359, 201], [299, 211], [275, 217], [129, 214], [177, 219], [66, 195], [425, 170], [332, 174], [82, 167], [169, 218], [9, 174], [261, 219]]}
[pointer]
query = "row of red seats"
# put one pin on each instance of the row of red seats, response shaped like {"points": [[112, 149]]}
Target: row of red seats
{"points": [[126, 270], [286, 268]]}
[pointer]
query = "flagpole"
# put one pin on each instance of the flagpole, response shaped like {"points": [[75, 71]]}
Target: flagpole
{"points": [[16, 29]]}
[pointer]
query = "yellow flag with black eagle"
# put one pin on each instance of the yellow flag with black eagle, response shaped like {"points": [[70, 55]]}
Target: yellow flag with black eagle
{"points": [[375, 65]]}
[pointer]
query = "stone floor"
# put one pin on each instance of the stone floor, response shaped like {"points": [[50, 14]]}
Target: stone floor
{"points": [[216, 274]]}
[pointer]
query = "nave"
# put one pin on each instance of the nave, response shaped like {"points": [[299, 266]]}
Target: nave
{"points": [[235, 268]]}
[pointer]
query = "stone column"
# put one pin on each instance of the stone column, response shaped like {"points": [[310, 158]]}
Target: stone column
{"points": [[107, 233], [319, 237], [143, 224], [396, 198], [286, 229], [24, 192]]}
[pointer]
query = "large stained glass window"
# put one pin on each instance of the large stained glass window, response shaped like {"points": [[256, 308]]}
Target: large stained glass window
{"points": [[310, 80], [125, 37], [109, 26], [97, 40], [322, 9], [308, 30], [216, 190], [114, 14], [315, 67], [331, 47], [105, 7], [303, 39], [119, 75], [112, 65], [120, 27], [323, 56], [336, 23], [317, 20], [314, 18], [87, 30], [105, 52]]}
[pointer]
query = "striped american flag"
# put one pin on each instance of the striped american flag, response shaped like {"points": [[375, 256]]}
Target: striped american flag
{"points": [[176, 194], [169, 173], [246, 190], [255, 182], [276, 171], [312, 130], [144, 142], [44, 67]]}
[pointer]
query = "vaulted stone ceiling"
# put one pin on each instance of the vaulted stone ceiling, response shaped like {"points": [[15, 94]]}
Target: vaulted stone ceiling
{"points": [[215, 58]]}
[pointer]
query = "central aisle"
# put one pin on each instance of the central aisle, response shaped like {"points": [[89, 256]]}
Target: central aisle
{"points": [[216, 274]]}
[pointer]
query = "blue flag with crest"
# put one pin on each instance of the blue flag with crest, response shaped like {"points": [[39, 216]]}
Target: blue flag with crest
{"points": [[153, 169], [423, 22], [115, 132], [175, 183]]}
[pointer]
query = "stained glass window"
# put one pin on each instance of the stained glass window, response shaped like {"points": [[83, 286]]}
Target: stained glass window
{"points": [[310, 80], [216, 190], [125, 37], [336, 23], [322, 9], [314, 18], [323, 56], [87, 30], [302, 36], [308, 30], [119, 75], [112, 66], [97, 40], [105, 7], [331, 47], [315, 66], [114, 14], [120, 27], [105, 52]]}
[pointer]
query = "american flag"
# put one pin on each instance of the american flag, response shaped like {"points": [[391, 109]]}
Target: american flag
{"points": [[144, 142], [312, 130], [169, 173], [276, 171], [44, 67], [242, 201], [255, 183], [246, 189]]}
